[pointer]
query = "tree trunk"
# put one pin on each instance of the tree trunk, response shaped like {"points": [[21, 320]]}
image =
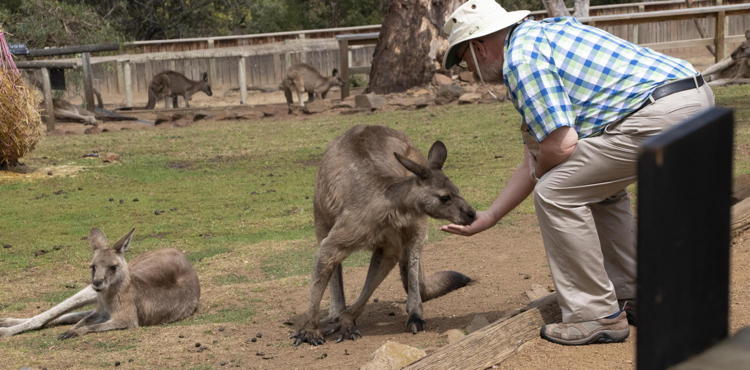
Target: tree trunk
{"points": [[407, 51], [581, 8], [556, 8]]}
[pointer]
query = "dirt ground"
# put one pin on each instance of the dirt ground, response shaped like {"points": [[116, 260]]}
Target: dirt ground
{"points": [[504, 261]]}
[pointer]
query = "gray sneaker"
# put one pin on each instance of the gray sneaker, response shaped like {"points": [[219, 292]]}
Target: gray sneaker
{"points": [[588, 332]]}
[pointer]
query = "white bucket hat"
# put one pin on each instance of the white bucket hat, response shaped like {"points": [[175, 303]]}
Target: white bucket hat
{"points": [[473, 19]]}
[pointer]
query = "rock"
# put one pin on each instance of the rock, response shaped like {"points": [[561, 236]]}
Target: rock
{"points": [[439, 79], [454, 335], [369, 101], [466, 76], [162, 118], [316, 106], [537, 291], [420, 92], [469, 98], [448, 93], [393, 355], [110, 157], [93, 130], [477, 323]]}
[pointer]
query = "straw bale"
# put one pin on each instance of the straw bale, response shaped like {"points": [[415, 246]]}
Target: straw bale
{"points": [[20, 122]]}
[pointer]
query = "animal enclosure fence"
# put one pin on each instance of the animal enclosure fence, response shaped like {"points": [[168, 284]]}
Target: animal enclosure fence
{"points": [[264, 62]]}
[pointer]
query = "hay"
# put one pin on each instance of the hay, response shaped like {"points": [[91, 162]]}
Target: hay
{"points": [[20, 122]]}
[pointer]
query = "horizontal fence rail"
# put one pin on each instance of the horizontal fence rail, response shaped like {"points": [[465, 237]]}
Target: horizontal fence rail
{"points": [[125, 77]]}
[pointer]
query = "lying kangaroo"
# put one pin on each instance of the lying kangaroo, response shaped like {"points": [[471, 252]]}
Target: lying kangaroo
{"points": [[303, 77], [374, 191], [173, 84], [157, 287]]}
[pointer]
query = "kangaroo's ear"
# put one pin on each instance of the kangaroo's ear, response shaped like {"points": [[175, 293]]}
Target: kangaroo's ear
{"points": [[97, 239], [416, 168], [437, 155], [122, 245], [335, 72], [204, 76]]}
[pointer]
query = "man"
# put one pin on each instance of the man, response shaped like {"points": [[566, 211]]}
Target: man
{"points": [[587, 100]]}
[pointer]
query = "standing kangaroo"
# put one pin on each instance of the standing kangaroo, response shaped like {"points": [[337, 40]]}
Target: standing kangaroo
{"points": [[157, 287], [303, 77], [374, 191], [173, 84]]}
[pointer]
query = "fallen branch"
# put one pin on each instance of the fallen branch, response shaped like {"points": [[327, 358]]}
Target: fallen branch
{"points": [[729, 81]]}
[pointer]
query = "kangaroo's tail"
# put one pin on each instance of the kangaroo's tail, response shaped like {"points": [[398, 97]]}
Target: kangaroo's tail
{"points": [[442, 283], [438, 284], [151, 100]]}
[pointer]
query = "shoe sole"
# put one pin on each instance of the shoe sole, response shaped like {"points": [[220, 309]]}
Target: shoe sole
{"points": [[604, 336]]}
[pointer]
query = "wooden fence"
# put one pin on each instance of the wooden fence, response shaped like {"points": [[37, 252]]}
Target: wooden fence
{"points": [[671, 31]]}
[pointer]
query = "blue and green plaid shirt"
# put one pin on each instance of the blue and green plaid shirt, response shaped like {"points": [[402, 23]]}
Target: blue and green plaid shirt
{"points": [[560, 72]]}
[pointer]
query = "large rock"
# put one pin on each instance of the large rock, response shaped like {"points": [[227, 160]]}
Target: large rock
{"points": [[439, 79], [316, 106], [466, 76], [448, 93], [537, 291], [469, 98], [393, 356], [369, 101], [454, 335]]}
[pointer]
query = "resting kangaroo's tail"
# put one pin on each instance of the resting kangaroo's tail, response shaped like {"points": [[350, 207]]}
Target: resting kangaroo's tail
{"points": [[438, 284]]}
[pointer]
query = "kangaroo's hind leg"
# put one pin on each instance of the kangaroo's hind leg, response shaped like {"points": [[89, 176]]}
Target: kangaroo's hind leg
{"points": [[333, 249], [382, 262], [82, 298], [336, 287]]}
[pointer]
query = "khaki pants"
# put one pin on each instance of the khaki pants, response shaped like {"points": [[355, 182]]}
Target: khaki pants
{"points": [[584, 212]]}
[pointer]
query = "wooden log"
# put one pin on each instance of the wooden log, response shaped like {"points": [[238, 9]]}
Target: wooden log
{"points": [[344, 67], [128, 85], [495, 342], [88, 87], [740, 217]]}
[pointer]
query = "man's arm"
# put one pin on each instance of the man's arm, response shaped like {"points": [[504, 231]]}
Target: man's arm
{"points": [[518, 188], [556, 148]]}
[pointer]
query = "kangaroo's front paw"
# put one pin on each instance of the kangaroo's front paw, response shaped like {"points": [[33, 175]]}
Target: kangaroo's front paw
{"points": [[415, 324], [67, 334], [308, 334]]}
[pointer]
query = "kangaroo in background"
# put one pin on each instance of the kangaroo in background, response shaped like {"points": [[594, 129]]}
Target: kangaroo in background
{"points": [[173, 84], [157, 287], [374, 191], [303, 77]]}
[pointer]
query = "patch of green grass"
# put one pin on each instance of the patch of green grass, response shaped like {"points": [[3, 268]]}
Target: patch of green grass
{"points": [[228, 185], [240, 314], [230, 279]]}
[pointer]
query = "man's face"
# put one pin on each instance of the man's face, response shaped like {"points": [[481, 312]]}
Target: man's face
{"points": [[488, 57]]}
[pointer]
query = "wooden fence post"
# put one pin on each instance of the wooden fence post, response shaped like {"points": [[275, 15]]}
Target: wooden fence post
{"points": [[88, 88], [242, 80], [120, 77], [211, 64], [48, 106], [344, 67], [720, 35], [684, 187], [128, 85]]}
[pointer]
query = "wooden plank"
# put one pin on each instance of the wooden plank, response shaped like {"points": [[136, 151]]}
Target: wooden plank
{"points": [[496, 342], [732, 353], [741, 217], [684, 187], [48, 105]]}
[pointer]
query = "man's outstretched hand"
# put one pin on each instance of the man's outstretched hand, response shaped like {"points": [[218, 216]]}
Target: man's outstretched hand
{"points": [[483, 222]]}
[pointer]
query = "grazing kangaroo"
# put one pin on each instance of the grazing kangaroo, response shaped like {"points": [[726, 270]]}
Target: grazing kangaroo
{"points": [[156, 287], [374, 191], [303, 77], [173, 84]]}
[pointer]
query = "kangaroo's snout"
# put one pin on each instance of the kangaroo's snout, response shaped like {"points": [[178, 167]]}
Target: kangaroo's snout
{"points": [[469, 216]]}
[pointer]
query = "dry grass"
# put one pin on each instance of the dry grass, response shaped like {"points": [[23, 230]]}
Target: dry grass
{"points": [[20, 123]]}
